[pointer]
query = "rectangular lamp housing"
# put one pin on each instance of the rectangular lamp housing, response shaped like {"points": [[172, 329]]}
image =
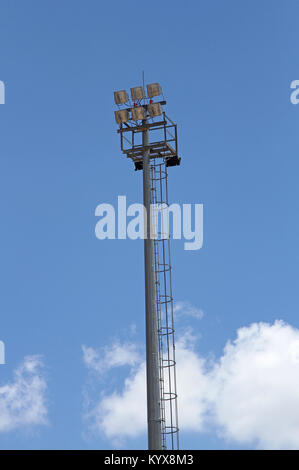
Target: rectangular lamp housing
{"points": [[138, 113], [121, 97], [122, 115], [137, 93], [154, 109], [153, 89]]}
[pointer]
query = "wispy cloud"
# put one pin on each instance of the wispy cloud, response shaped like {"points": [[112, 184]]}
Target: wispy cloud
{"points": [[249, 396], [22, 401], [116, 355], [187, 309]]}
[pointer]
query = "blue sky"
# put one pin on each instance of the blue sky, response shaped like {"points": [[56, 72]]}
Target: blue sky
{"points": [[225, 69]]}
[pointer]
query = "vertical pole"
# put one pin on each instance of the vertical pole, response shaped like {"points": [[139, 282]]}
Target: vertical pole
{"points": [[152, 351]]}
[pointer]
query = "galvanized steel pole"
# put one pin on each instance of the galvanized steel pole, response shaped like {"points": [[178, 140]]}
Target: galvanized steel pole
{"points": [[152, 350]]}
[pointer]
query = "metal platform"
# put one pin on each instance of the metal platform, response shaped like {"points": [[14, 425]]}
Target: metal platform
{"points": [[162, 141]]}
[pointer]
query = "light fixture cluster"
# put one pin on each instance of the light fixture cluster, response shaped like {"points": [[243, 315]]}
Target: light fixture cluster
{"points": [[138, 111]]}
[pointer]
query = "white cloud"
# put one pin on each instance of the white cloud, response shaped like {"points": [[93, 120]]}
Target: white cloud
{"points": [[186, 309], [123, 414], [114, 356], [22, 401], [192, 384], [254, 389], [250, 396]]}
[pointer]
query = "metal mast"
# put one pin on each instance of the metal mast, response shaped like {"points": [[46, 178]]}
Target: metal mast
{"points": [[152, 350], [153, 156]]}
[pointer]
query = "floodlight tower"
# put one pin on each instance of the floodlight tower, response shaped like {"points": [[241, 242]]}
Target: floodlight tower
{"points": [[139, 118]]}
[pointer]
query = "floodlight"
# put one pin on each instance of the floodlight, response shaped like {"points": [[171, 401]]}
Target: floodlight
{"points": [[138, 120], [137, 93], [138, 113], [122, 115], [121, 97], [153, 89], [154, 109]]}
